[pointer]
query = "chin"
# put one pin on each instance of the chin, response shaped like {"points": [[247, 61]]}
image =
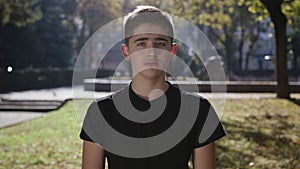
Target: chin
{"points": [[152, 73]]}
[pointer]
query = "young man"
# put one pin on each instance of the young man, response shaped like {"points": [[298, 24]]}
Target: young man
{"points": [[149, 47]]}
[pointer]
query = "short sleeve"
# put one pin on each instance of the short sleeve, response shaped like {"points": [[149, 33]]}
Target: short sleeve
{"points": [[84, 136], [87, 122], [208, 127]]}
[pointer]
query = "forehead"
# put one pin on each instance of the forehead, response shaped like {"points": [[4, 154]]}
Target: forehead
{"points": [[150, 36], [148, 29]]}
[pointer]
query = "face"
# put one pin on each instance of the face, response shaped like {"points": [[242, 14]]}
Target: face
{"points": [[149, 51]]}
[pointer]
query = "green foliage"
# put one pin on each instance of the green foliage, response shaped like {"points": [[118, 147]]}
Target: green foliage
{"points": [[208, 13], [291, 8], [20, 13], [48, 42], [96, 13], [229, 24], [255, 7]]}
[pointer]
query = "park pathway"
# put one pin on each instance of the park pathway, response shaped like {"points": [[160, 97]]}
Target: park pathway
{"points": [[13, 116]]}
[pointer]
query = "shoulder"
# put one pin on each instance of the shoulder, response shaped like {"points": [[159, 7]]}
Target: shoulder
{"points": [[194, 97], [185, 93], [104, 100], [100, 102], [97, 105], [108, 101], [191, 101]]}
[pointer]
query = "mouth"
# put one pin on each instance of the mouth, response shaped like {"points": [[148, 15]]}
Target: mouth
{"points": [[151, 64]]}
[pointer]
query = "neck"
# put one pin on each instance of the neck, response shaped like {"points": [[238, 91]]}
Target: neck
{"points": [[149, 89]]}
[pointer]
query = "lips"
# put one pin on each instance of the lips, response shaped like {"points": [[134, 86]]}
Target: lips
{"points": [[151, 64]]}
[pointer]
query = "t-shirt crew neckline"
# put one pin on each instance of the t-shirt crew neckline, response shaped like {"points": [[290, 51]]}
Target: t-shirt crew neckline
{"points": [[136, 97]]}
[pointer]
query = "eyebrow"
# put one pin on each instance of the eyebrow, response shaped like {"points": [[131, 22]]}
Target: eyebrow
{"points": [[140, 39], [145, 38]]}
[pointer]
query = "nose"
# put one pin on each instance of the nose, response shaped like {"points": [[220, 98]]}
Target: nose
{"points": [[151, 49], [150, 52]]}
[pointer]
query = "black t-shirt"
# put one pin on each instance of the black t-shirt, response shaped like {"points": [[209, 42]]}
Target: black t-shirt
{"points": [[177, 102]]}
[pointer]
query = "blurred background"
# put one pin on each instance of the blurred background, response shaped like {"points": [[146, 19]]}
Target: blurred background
{"points": [[258, 43], [40, 40]]}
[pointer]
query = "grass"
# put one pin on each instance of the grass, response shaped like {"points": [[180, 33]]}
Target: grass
{"points": [[260, 134], [48, 142]]}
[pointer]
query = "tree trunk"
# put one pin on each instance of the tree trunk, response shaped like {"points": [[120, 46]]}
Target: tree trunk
{"points": [[253, 40], [280, 21], [241, 44], [296, 51]]}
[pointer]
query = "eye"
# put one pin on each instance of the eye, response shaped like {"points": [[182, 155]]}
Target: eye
{"points": [[160, 44], [141, 44]]}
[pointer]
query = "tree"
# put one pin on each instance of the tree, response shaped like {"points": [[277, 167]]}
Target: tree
{"points": [[15, 14], [292, 11], [280, 21], [219, 16], [281, 12], [47, 42], [56, 33], [20, 13], [93, 14], [230, 26]]}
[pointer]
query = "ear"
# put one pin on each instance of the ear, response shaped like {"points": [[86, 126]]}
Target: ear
{"points": [[174, 49], [125, 52]]}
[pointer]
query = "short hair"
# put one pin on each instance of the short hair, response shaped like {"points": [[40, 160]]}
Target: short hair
{"points": [[147, 14]]}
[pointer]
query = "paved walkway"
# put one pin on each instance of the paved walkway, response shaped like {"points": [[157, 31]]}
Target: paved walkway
{"points": [[9, 118]]}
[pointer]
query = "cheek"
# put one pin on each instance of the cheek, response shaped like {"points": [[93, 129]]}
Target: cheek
{"points": [[165, 55], [164, 62], [136, 60]]}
